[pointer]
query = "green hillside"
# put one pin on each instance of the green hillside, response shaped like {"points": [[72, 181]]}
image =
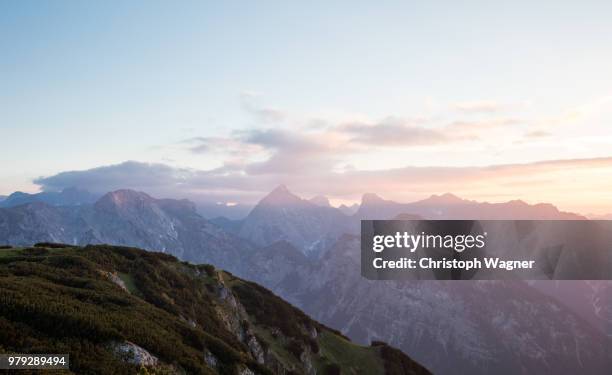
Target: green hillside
{"points": [[120, 310]]}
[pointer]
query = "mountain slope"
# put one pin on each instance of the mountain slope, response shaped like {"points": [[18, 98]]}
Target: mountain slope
{"points": [[477, 327], [115, 310]]}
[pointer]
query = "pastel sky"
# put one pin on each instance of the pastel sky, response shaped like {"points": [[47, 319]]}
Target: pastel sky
{"points": [[224, 100]]}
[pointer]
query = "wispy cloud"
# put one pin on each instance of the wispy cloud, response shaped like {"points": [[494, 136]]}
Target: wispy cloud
{"points": [[266, 115], [392, 132], [538, 134], [479, 106]]}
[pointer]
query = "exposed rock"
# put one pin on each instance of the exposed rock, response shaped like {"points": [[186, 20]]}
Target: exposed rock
{"points": [[210, 359], [256, 349], [114, 277], [192, 323], [230, 311], [306, 359], [132, 353], [246, 371], [313, 332]]}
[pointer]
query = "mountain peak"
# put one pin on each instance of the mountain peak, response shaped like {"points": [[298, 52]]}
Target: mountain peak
{"points": [[280, 189], [320, 200], [123, 197], [446, 198], [280, 196], [369, 198]]}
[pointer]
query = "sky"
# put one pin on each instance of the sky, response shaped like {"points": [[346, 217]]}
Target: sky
{"points": [[223, 101]]}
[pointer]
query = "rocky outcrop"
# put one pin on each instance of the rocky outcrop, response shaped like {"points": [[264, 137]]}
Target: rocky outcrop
{"points": [[306, 359], [210, 359], [236, 320], [134, 354], [246, 371], [114, 277]]}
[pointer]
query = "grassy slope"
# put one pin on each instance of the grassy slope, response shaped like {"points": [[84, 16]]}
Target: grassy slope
{"points": [[60, 300]]}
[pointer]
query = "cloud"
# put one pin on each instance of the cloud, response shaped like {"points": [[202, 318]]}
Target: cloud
{"points": [[130, 174], [538, 134], [266, 115], [480, 106], [394, 132], [282, 150], [217, 145], [478, 127], [290, 151], [330, 145], [280, 143]]}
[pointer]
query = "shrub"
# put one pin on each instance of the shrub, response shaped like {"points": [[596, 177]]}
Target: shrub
{"points": [[332, 369], [53, 245]]}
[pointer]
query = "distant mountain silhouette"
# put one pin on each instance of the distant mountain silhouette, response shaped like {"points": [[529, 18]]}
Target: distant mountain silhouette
{"points": [[66, 197], [125, 217], [449, 206], [320, 200]]}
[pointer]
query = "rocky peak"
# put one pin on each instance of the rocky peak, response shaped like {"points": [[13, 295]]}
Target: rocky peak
{"points": [[371, 198], [124, 198], [281, 196]]}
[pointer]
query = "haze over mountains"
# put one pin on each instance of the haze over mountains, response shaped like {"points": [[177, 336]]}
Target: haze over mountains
{"points": [[308, 253]]}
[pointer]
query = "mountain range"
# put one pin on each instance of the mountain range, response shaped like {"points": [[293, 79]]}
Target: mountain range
{"points": [[308, 253], [451, 207]]}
